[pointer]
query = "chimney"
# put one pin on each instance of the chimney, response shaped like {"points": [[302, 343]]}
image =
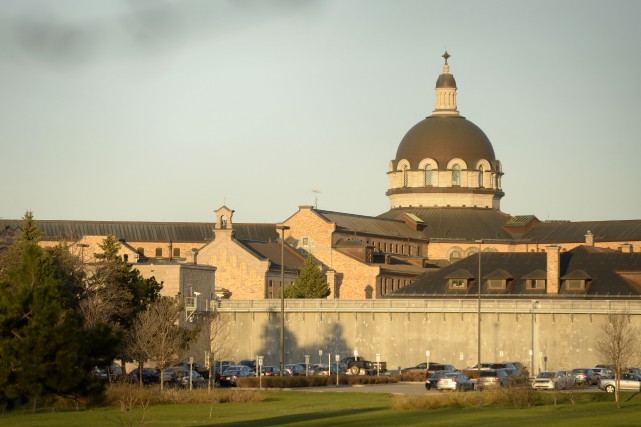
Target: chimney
{"points": [[553, 267], [589, 238], [626, 248]]}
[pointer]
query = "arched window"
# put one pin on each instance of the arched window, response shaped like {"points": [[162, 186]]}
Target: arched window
{"points": [[428, 175], [455, 256], [480, 176], [456, 175], [405, 176]]}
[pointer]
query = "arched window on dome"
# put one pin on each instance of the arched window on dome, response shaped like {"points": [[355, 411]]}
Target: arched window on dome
{"points": [[456, 175], [405, 176], [428, 175], [481, 176]]}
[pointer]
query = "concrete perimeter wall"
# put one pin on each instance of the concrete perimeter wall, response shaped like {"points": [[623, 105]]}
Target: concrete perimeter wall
{"points": [[401, 331]]}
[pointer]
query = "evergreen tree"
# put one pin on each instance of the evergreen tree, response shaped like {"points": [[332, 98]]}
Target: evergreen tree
{"points": [[310, 282], [44, 349], [30, 231]]}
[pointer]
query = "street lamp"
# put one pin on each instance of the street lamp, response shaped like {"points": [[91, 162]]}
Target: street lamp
{"points": [[478, 314], [282, 229]]}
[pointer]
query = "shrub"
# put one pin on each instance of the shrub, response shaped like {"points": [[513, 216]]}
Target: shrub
{"points": [[312, 381], [128, 396]]}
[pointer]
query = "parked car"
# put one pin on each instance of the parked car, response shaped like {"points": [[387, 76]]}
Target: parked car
{"points": [[570, 379], [549, 380], [454, 381], [231, 375], [178, 375], [484, 367], [269, 371], [433, 378], [293, 369], [440, 367], [492, 378], [149, 376], [582, 376], [628, 382], [597, 373], [251, 364], [421, 367]]}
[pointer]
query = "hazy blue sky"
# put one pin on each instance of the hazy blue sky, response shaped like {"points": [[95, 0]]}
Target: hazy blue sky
{"points": [[164, 111]]}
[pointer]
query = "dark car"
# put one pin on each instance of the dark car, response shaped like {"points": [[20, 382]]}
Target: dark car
{"points": [[421, 367], [440, 367], [251, 364], [149, 376], [231, 375], [433, 378]]}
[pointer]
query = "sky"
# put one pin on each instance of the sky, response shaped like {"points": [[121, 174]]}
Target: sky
{"points": [[167, 110]]}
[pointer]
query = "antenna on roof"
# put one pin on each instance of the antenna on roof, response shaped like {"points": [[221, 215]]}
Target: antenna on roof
{"points": [[316, 193]]}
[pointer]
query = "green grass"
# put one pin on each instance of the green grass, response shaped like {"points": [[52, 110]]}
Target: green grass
{"points": [[293, 408]]}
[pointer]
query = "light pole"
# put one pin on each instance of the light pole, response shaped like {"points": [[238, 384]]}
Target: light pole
{"points": [[282, 229], [478, 315]]}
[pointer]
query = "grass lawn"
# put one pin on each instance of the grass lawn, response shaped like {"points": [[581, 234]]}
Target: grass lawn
{"points": [[294, 408]]}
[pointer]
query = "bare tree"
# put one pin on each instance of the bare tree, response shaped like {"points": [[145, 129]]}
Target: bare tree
{"points": [[214, 339], [157, 336], [617, 346]]}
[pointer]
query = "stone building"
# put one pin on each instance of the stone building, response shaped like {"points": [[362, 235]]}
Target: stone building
{"points": [[445, 188]]}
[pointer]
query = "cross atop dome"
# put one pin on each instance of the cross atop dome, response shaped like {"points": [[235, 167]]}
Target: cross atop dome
{"points": [[446, 56]]}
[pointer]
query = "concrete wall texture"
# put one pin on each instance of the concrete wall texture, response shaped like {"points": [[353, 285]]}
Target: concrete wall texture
{"points": [[401, 331]]}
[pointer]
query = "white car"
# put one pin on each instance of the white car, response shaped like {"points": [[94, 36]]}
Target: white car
{"points": [[454, 381], [550, 380]]}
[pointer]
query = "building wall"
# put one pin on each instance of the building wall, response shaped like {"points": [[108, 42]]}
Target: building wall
{"points": [[237, 270], [355, 279], [563, 335], [183, 280]]}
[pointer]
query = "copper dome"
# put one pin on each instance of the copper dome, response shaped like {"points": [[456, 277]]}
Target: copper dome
{"points": [[444, 138]]}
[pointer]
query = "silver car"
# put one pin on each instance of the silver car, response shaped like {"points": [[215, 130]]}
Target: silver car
{"points": [[454, 381], [628, 382], [550, 380]]}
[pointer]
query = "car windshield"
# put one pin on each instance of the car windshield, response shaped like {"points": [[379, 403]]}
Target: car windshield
{"points": [[546, 375], [488, 373]]}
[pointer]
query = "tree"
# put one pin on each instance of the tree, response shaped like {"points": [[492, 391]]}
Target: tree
{"points": [[157, 336], [214, 339], [617, 345], [30, 231], [310, 283], [44, 348]]}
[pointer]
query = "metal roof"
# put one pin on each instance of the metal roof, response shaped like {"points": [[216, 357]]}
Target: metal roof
{"points": [[603, 231], [606, 268], [370, 225]]}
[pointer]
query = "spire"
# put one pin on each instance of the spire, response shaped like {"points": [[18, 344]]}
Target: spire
{"points": [[445, 92]]}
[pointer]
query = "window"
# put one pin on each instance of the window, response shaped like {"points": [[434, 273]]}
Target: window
{"points": [[176, 252], [480, 176], [405, 176], [270, 289], [428, 175], [496, 284], [536, 284], [141, 251], [456, 175], [158, 251], [458, 283], [455, 256], [305, 241], [574, 285]]}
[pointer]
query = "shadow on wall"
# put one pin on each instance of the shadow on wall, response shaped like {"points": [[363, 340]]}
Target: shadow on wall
{"points": [[328, 338]]}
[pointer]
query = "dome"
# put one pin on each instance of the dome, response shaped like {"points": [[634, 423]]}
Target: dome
{"points": [[444, 138], [446, 81]]}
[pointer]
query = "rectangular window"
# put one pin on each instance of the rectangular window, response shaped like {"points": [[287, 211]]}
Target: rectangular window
{"points": [[158, 251], [305, 241], [141, 251], [536, 284], [496, 284], [458, 283], [176, 252], [270, 289], [574, 285]]}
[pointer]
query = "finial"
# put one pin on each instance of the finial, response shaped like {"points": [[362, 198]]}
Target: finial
{"points": [[446, 56]]}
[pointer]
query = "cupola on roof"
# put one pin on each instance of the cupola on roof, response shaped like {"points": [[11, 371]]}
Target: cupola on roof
{"points": [[445, 134]]}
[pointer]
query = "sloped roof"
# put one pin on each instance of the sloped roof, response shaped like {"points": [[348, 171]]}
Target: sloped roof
{"points": [[457, 223], [606, 268], [370, 225], [603, 231], [272, 252], [134, 231]]}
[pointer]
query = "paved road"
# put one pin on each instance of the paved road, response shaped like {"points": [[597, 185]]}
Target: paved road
{"points": [[398, 388]]}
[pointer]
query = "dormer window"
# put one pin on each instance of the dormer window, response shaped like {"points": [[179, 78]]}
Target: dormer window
{"points": [[458, 283], [496, 284], [535, 284], [574, 285]]}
